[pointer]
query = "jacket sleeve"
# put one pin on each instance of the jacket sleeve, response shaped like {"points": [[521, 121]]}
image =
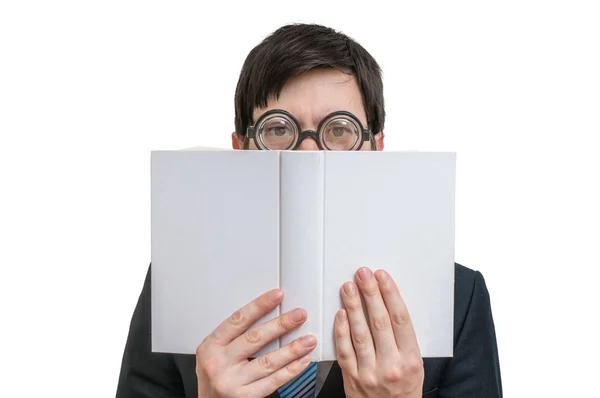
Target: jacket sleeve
{"points": [[143, 373], [474, 371]]}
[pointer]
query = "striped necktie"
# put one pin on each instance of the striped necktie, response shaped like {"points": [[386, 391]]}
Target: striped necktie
{"points": [[303, 386]]}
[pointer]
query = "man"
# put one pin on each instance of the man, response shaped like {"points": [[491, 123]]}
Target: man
{"points": [[308, 87]]}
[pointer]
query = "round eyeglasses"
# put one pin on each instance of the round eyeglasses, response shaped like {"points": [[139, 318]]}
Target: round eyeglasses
{"points": [[279, 130]]}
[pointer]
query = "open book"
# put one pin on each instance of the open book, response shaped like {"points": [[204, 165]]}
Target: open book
{"points": [[228, 226]]}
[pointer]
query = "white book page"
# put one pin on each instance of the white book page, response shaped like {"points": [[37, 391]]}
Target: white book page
{"points": [[215, 240], [302, 240], [395, 211], [206, 148]]}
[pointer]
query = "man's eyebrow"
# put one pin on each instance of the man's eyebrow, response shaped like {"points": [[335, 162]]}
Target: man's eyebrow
{"points": [[317, 118]]}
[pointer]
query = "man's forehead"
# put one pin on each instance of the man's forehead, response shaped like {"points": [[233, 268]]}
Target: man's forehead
{"points": [[329, 79], [313, 95]]}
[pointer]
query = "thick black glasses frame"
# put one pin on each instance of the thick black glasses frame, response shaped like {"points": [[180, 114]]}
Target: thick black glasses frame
{"points": [[366, 134]]}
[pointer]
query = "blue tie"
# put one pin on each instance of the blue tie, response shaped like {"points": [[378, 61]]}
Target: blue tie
{"points": [[303, 386]]}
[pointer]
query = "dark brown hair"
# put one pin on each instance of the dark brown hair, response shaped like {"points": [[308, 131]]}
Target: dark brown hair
{"points": [[298, 48]]}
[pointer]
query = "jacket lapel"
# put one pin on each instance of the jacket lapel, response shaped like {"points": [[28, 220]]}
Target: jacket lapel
{"points": [[334, 383]]}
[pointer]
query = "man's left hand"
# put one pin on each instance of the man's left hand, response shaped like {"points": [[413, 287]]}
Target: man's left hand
{"points": [[379, 356]]}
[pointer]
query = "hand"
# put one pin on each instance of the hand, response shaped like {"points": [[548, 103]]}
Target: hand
{"points": [[222, 364], [379, 358]]}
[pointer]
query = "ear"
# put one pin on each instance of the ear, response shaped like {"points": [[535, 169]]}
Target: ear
{"points": [[379, 140], [236, 141]]}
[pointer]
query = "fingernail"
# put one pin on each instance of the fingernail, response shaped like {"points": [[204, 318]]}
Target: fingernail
{"points": [[381, 276], [350, 289], [274, 295], [297, 315], [341, 315], [364, 274], [308, 341]]}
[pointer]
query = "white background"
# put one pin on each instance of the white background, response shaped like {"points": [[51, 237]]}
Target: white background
{"points": [[87, 89]]}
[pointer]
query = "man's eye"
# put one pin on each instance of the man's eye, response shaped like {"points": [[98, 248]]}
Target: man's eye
{"points": [[339, 132], [278, 131]]}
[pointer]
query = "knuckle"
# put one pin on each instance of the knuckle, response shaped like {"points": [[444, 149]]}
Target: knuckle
{"points": [[236, 318], [275, 379], [295, 349], [340, 332], [401, 318], [386, 286], [370, 290], [263, 304], [381, 322], [217, 334], [253, 335], [210, 367], [292, 369], [266, 362], [282, 323], [361, 338], [298, 350], [354, 305], [392, 375], [414, 363], [344, 354]]}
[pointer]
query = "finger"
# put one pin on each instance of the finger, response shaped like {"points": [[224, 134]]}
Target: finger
{"points": [[271, 362], [256, 338], [359, 328], [245, 317], [344, 350], [379, 318], [267, 385], [404, 331]]}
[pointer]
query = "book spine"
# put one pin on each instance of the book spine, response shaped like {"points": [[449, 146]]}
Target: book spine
{"points": [[301, 240], [322, 267]]}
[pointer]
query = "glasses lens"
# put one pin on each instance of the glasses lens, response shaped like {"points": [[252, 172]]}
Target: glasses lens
{"points": [[277, 132], [340, 134]]}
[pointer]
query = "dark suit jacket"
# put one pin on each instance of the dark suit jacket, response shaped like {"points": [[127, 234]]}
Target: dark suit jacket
{"points": [[474, 371]]}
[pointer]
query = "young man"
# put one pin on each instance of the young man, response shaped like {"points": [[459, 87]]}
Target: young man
{"points": [[308, 87]]}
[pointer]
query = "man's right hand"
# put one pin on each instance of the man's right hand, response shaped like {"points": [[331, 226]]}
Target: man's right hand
{"points": [[222, 364]]}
